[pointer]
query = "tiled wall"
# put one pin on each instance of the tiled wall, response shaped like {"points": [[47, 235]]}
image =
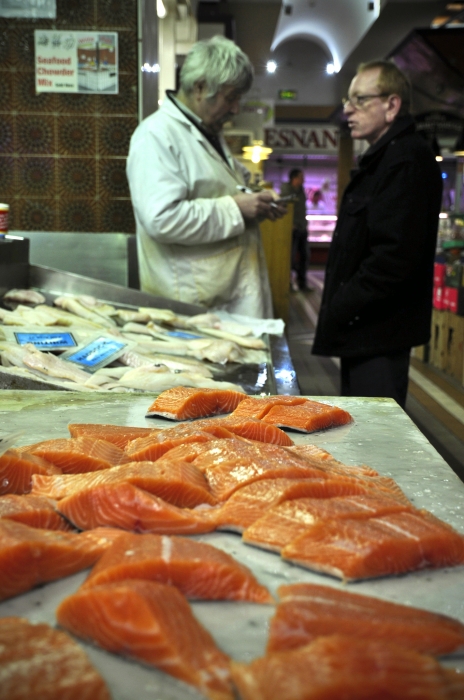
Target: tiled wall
{"points": [[62, 156]]}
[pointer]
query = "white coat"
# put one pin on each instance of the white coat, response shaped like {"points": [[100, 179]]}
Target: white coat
{"points": [[193, 243]]}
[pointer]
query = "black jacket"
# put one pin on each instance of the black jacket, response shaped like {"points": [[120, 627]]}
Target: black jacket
{"points": [[377, 295]]}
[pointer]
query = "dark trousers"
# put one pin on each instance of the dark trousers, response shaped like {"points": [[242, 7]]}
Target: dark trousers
{"points": [[385, 376], [300, 255]]}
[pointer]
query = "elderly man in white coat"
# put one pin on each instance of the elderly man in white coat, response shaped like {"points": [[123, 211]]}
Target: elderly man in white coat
{"points": [[198, 238]]}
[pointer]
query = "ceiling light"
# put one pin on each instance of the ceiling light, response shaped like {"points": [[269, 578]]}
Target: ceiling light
{"points": [[160, 9], [256, 152], [330, 68], [147, 68], [271, 66]]}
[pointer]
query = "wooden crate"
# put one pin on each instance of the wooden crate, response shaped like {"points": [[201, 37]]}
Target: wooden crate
{"points": [[422, 352], [277, 243], [438, 341], [455, 347]]}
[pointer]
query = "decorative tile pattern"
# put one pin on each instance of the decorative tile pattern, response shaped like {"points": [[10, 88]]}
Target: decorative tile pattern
{"points": [[6, 92], [77, 215], [7, 182], [127, 45], [37, 215], [6, 134], [63, 155], [27, 100], [116, 13], [76, 136], [34, 134], [125, 102], [76, 177], [35, 176], [23, 48], [117, 216], [6, 58], [112, 178], [114, 135], [75, 103], [75, 14]]}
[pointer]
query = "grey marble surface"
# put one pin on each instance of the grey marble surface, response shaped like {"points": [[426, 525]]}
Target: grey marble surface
{"points": [[381, 436]]}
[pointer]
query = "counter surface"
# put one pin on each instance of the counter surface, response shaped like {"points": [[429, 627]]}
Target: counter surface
{"points": [[381, 436]]}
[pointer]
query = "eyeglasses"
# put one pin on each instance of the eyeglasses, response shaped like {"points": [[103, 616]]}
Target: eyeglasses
{"points": [[358, 101]]}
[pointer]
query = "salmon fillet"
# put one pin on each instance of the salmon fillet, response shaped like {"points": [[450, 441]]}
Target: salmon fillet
{"points": [[151, 623], [249, 428], [35, 511], [339, 667], [185, 403], [119, 435], [307, 417], [307, 611], [392, 544], [178, 483], [17, 468], [153, 447], [230, 464], [40, 662], [130, 508], [321, 456], [77, 455], [257, 407], [252, 501], [199, 570], [30, 556], [283, 523]]}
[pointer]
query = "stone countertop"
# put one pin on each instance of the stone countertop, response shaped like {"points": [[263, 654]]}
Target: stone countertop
{"points": [[381, 436]]}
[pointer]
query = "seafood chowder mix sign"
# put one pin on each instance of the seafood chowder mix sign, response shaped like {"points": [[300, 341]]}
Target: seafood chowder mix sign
{"points": [[76, 61]]}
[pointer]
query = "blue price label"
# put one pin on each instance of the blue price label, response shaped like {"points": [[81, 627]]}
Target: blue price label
{"points": [[46, 341], [97, 352]]}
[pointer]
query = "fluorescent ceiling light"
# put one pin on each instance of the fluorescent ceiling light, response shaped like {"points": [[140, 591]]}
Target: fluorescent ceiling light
{"points": [[160, 9]]}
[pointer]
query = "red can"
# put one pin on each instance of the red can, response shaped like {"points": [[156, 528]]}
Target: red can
{"points": [[4, 212]]}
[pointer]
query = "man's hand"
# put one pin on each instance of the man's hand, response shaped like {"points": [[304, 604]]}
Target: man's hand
{"points": [[260, 205]]}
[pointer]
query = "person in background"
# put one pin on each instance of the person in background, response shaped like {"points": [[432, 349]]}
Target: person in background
{"points": [[198, 238], [377, 297], [299, 261]]}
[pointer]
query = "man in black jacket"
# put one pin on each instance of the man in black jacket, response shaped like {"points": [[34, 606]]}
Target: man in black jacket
{"points": [[377, 299]]}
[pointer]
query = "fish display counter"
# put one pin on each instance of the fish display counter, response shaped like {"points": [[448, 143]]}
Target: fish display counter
{"points": [[270, 372], [381, 436]]}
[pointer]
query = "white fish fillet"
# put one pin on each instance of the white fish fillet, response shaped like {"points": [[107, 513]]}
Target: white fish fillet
{"points": [[151, 379], [43, 362], [24, 296], [158, 314], [123, 316], [246, 342], [74, 306]]}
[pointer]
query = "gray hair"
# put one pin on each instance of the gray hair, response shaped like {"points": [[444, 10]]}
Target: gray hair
{"points": [[217, 62]]}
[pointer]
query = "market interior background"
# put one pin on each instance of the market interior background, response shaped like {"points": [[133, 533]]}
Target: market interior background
{"points": [[62, 156]]}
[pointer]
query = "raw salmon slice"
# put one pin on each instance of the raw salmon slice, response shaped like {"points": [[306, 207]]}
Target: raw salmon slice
{"points": [[40, 662], [199, 570], [249, 428], [307, 417], [77, 455], [392, 544], [30, 556], [307, 611], [119, 435], [317, 454], [230, 464], [130, 508], [285, 522], [35, 511], [250, 502], [151, 623], [185, 403], [341, 666], [179, 483], [17, 468], [155, 446], [257, 407]]}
